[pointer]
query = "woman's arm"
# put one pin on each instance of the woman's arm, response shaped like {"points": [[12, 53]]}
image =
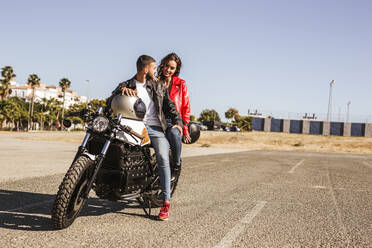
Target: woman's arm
{"points": [[185, 109], [170, 109]]}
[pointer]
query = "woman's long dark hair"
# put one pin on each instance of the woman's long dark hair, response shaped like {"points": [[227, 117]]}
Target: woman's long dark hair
{"points": [[165, 60]]}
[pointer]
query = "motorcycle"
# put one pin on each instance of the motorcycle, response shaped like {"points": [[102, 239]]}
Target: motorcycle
{"points": [[116, 160]]}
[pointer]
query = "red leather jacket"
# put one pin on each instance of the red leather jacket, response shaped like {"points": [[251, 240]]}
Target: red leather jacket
{"points": [[180, 96]]}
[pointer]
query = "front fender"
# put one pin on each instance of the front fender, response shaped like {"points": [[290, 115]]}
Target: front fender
{"points": [[90, 156]]}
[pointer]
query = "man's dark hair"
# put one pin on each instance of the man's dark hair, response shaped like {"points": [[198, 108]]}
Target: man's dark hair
{"points": [[144, 60]]}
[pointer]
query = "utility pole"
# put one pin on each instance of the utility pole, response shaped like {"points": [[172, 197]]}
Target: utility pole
{"points": [[88, 91], [329, 114], [339, 114], [29, 117], [348, 109]]}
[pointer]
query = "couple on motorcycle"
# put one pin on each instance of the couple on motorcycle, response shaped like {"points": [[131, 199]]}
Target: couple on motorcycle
{"points": [[167, 113]]}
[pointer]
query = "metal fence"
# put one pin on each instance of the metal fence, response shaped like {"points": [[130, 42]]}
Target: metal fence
{"points": [[311, 126]]}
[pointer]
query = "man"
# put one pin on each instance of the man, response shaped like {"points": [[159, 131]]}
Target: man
{"points": [[158, 107]]}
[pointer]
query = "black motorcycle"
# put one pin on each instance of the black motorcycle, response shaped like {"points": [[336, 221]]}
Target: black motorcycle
{"points": [[114, 160]]}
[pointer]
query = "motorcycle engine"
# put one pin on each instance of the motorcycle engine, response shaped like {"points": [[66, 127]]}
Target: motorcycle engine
{"points": [[124, 171]]}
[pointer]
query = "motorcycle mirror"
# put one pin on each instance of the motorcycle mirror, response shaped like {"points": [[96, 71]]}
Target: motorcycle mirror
{"points": [[194, 131], [66, 123], [84, 113]]}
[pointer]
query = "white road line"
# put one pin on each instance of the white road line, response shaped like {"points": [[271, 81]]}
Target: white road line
{"points": [[294, 167], [28, 214], [239, 227], [28, 206], [367, 164], [338, 211]]}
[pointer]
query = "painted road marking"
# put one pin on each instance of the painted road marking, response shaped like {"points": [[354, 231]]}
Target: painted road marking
{"points": [[338, 211], [294, 167], [319, 187], [27, 214], [239, 227], [367, 164]]}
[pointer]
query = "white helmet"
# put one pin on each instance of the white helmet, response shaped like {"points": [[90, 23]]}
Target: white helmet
{"points": [[131, 107]]}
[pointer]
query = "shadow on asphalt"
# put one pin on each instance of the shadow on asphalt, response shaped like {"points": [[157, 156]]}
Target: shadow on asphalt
{"points": [[26, 211]]}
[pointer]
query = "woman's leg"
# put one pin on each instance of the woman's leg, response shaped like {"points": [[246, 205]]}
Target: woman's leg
{"points": [[175, 141], [161, 146]]}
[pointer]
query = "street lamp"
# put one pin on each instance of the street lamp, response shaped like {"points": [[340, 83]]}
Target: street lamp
{"points": [[348, 112], [88, 81], [330, 101]]}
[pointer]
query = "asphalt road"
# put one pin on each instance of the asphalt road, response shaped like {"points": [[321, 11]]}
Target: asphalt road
{"points": [[245, 199]]}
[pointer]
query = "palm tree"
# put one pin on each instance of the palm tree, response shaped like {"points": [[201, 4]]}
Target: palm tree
{"points": [[243, 122], [33, 81], [8, 75], [64, 84], [230, 113], [51, 109]]}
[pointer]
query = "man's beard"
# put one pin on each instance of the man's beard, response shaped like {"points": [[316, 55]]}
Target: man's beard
{"points": [[149, 77]]}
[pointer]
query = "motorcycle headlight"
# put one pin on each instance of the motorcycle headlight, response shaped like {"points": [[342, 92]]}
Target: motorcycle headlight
{"points": [[100, 124]]}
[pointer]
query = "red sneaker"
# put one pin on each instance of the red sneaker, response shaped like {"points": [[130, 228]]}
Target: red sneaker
{"points": [[164, 211]]}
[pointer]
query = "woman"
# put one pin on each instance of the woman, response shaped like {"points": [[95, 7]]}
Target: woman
{"points": [[168, 72]]}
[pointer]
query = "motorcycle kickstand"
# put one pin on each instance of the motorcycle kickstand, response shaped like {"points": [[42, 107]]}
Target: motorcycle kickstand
{"points": [[144, 205]]}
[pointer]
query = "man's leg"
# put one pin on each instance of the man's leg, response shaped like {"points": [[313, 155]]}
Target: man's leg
{"points": [[161, 146]]}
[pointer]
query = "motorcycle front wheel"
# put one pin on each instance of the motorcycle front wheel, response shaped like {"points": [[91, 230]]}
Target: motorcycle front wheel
{"points": [[70, 197]]}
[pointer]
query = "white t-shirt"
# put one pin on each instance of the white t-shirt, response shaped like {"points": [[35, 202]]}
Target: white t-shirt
{"points": [[151, 116]]}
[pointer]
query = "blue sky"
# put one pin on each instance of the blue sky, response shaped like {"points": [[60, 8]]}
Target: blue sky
{"points": [[275, 56]]}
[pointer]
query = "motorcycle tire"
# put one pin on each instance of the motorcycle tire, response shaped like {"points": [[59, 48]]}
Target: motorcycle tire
{"points": [[69, 200]]}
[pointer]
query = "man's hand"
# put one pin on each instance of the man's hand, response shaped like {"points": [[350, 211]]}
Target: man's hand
{"points": [[179, 128], [128, 92], [187, 138]]}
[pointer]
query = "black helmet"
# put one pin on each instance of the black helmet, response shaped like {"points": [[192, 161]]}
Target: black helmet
{"points": [[194, 131]]}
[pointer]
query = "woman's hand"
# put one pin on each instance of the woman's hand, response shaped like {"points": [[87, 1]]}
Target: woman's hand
{"points": [[128, 92], [179, 129], [187, 138]]}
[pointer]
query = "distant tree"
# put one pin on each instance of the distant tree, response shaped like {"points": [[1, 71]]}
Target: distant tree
{"points": [[52, 109], [76, 120], [7, 76], [209, 115], [64, 83], [33, 81], [73, 110], [23, 107], [10, 111], [243, 122], [77, 107], [192, 118], [230, 113], [95, 103]]}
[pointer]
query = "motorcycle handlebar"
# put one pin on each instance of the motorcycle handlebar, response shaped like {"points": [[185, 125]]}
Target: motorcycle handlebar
{"points": [[136, 134], [129, 130]]}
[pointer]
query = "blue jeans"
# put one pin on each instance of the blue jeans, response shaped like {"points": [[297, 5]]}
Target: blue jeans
{"points": [[161, 146], [175, 141]]}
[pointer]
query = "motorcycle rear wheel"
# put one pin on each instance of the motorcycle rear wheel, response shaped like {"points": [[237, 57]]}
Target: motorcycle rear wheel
{"points": [[70, 197]]}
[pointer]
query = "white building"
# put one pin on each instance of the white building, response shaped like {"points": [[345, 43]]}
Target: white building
{"points": [[46, 91]]}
